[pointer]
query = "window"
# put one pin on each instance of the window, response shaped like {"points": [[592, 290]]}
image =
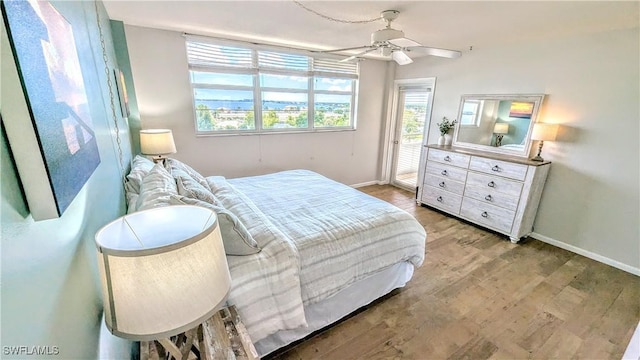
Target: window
{"points": [[471, 110], [240, 89]]}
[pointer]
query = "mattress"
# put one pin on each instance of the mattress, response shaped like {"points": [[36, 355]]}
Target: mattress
{"points": [[335, 236]]}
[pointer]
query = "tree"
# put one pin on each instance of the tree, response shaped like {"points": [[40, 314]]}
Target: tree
{"points": [[269, 119], [302, 120], [411, 127], [204, 118], [248, 122], [318, 118]]}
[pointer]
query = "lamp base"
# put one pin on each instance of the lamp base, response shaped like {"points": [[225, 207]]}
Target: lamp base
{"points": [[223, 336], [159, 159], [538, 157]]}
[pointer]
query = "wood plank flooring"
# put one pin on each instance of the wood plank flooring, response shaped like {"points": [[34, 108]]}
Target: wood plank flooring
{"points": [[478, 296]]}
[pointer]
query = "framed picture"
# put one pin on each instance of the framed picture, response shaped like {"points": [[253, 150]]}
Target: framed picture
{"points": [[49, 125], [522, 110], [121, 89]]}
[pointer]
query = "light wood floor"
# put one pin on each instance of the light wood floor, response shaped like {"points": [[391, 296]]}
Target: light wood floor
{"points": [[477, 296]]}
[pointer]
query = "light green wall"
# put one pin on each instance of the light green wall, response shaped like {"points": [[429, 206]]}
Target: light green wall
{"points": [[122, 55], [50, 287]]}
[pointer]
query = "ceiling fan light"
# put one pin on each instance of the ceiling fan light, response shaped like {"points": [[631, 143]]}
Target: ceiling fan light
{"points": [[401, 58], [386, 35], [385, 51]]}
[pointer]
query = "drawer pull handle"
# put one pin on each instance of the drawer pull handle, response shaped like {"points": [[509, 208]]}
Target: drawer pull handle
{"points": [[439, 198], [491, 184], [484, 214], [442, 184], [488, 198], [447, 158], [496, 168], [444, 172]]}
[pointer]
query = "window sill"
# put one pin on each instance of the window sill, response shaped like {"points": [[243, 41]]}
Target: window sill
{"points": [[274, 132]]}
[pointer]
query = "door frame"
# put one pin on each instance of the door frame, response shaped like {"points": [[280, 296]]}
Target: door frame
{"points": [[392, 122]]}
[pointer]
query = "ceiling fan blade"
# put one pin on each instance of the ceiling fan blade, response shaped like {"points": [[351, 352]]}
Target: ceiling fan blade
{"points": [[348, 49], [404, 42], [358, 55], [425, 50], [401, 58]]}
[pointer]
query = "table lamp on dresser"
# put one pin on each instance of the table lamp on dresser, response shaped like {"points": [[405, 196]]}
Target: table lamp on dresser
{"points": [[543, 132], [163, 273]]}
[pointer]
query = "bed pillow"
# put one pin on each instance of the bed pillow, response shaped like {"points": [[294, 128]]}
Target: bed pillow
{"points": [[156, 189], [192, 189], [132, 200], [235, 237], [140, 167], [173, 164], [256, 222]]}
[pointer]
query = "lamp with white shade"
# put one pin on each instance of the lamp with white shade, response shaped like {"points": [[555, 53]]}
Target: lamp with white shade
{"points": [[500, 129], [163, 273], [156, 143], [543, 132]]}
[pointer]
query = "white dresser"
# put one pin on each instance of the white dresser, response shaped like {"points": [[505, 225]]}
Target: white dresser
{"points": [[501, 193]]}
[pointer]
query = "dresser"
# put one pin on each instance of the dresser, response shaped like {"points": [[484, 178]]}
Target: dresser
{"points": [[497, 192]]}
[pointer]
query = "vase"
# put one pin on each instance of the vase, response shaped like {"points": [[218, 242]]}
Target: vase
{"points": [[448, 139], [441, 140]]}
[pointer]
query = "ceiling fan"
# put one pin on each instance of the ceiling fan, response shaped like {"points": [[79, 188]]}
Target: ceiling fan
{"points": [[391, 42]]}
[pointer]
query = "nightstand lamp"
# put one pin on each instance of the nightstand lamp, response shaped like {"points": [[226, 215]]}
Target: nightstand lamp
{"points": [[157, 142], [500, 129], [543, 132], [163, 272]]}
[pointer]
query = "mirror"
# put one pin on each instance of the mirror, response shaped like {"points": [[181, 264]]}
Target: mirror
{"points": [[497, 123]]}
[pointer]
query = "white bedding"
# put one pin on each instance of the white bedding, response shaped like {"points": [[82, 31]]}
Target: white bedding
{"points": [[318, 237]]}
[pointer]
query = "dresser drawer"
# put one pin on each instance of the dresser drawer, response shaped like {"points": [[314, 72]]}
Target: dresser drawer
{"points": [[495, 183], [498, 167], [447, 157], [445, 184], [489, 196], [446, 171], [487, 215], [441, 199]]}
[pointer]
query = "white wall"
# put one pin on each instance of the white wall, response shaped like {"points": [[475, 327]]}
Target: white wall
{"points": [[591, 201], [160, 72]]}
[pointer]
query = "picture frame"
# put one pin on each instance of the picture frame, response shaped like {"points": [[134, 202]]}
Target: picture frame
{"points": [[521, 110], [47, 118], [121, 90]]}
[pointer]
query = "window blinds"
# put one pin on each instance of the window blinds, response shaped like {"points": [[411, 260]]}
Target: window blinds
{"points": [[203, 53]]}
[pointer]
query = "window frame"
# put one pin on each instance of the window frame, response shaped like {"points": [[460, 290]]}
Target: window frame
{"points": [[476, 115], [257, 89]]}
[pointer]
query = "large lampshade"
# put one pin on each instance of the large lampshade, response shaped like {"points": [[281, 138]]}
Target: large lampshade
{"points": [[163, 271], [157, 142], [542, 131], [501, 128]]}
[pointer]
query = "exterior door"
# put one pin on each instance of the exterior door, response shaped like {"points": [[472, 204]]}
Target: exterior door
{"points": [[412, 119]]}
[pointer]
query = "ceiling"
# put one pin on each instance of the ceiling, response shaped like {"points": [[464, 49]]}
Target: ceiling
{"points": [[455, 25]]}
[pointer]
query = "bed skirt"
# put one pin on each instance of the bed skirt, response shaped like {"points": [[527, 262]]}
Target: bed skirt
{"points": [[341, 304]]}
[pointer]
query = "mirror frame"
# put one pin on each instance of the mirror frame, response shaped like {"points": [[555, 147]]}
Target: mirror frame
{"points": [[537, 99]]}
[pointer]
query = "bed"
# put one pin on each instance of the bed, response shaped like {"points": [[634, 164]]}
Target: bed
{"points": [[316, 250]]}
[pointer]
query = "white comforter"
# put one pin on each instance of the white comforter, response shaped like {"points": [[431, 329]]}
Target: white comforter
{"points": [[317, 237]]}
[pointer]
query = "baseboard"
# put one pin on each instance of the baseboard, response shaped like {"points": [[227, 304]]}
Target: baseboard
{"points": [[368, 183], [586, 253]]}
